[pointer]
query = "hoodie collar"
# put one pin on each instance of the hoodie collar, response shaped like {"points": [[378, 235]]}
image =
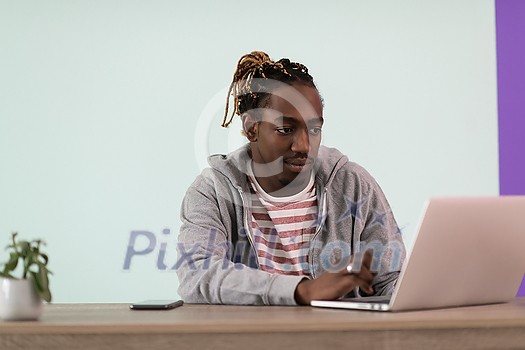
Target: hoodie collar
{"points": [[235, 165]]}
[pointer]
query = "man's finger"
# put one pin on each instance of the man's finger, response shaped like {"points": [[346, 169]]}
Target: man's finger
{"points": [[361, 259], [367, 259], [363, 274], [363, 284]]}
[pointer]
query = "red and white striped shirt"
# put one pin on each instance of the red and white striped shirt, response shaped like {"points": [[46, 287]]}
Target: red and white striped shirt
{"points": [[283, 228]]}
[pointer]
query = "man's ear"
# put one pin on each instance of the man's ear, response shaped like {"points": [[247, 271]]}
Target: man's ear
{"points": [[250, 126]]}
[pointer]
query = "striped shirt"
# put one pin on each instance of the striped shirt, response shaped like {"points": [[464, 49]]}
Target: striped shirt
{"points": [[283, 228]]}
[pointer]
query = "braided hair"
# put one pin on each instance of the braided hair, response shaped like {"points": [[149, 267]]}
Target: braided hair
{"points": [[252, 82]]}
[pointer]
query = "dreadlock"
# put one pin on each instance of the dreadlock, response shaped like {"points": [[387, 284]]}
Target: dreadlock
{"points": [[251, 84]]}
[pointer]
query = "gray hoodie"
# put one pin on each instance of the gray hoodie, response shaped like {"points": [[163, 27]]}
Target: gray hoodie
{"points": [[217, 260]]}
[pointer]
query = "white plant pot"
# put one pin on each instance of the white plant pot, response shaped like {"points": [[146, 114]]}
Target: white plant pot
{"points": [[19, 300]]}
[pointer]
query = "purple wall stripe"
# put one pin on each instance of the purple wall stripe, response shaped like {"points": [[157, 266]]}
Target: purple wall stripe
{"points": [[510, 42]]}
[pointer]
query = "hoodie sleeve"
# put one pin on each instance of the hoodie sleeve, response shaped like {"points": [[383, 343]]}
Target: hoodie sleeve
{"points": [[205, 268]]}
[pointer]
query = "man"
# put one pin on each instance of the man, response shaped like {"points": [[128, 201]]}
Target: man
{"points": [[283, 220]]}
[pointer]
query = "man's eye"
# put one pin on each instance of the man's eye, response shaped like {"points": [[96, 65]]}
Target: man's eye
{"points": [[284, 131], [315, 131]]}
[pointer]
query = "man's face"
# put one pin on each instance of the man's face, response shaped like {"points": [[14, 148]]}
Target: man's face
{"points": [[285, 142]]}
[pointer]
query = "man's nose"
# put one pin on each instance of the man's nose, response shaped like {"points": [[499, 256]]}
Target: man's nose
{"points": [[301, 142]]}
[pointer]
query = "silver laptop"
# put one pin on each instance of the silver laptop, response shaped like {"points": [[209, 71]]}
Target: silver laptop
{"points": [[467, 251]]}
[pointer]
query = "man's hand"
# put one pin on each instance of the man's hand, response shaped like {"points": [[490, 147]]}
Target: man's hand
{"points": [[333, 285]]}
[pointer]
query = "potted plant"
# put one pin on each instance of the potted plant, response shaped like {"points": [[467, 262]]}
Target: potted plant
{"points": [[21, 298]]}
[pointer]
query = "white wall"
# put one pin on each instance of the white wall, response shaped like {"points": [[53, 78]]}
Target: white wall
{"points": [[107, 109]]}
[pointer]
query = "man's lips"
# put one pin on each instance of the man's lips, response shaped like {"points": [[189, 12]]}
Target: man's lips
{"points": [[298, 162]]}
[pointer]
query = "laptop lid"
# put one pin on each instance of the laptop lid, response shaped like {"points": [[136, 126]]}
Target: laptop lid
{"points": [[467, 251]]}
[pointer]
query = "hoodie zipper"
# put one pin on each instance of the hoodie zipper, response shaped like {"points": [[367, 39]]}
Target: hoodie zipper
{"points": [[321, 213], [248, 227]]}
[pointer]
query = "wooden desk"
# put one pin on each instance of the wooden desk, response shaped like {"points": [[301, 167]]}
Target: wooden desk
{"points": [[114, 326]]}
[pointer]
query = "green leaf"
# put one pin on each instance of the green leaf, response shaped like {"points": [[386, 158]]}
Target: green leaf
{"points": [[42, 267], [24, 247], [41, 284], [12, 263], [38, 283], [28, 260], [46, 294], [44, 256]]}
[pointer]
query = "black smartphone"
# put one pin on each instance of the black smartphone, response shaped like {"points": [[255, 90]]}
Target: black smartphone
{"points": [[156, 305]]}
